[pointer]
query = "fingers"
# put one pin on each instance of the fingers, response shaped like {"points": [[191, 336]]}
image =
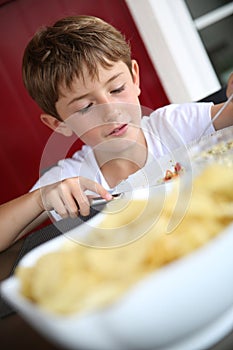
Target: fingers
{"points": [[68, 197], [52, 200], [87, 184], [77, 202], [82, 199], [71, 206]]}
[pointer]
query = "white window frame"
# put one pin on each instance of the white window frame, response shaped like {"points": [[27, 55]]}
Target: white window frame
{"points": [[175, 48]]}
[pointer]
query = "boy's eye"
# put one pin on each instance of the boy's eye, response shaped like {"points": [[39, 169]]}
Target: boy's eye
{"points": [[85, 109], [117, 91]]}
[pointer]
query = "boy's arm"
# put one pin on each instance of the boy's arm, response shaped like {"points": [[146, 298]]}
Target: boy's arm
{"points": [[19, 216], [66, 197], [225, 119]]}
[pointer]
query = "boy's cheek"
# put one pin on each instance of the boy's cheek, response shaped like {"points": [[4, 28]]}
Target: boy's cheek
{"points": [[81, 125]]}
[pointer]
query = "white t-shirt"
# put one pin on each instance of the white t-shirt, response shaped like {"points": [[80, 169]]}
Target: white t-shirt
{"points": [[166, 130]]}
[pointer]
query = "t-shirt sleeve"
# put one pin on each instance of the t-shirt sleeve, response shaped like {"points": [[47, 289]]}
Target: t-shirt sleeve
{"points": [[179, 125]]}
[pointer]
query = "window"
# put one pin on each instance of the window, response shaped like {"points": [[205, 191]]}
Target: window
{"points": [[214, 22], [189, 42]]}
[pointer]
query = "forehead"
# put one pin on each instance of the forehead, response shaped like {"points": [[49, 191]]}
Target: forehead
{"points": [[87, 81]]}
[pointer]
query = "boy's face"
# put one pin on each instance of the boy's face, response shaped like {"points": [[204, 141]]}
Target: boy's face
{"points": [[102, 111]]}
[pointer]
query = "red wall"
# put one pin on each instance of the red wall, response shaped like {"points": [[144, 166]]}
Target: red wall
{"points": [[22, 135]]}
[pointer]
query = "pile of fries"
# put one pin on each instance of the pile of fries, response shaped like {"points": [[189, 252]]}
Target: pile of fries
{"points": [[78, 278]]}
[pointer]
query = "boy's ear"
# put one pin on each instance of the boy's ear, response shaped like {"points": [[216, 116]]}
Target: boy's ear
{"points": [[135, 72], [56, 125]]}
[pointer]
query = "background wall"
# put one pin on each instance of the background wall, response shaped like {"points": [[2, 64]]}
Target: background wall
{"points": [[22, 135]]}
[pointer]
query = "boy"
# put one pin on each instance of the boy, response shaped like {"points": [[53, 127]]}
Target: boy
{"points": [[81, 74]]}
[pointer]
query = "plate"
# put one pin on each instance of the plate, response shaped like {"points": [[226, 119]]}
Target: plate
{"points": [[216, 147], [185, 305]]}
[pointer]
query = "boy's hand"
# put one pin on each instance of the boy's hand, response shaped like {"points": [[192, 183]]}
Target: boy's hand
{"points": [[68, 198]]}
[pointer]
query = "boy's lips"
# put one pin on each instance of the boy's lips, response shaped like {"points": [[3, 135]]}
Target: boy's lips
{"points": [[119, 130]]}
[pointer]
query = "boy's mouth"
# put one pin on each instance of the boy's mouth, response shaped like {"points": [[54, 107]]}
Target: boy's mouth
{"points": [[118, 131]]}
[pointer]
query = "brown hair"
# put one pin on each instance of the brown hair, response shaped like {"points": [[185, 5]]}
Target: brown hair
{"points": [[57, 54]]}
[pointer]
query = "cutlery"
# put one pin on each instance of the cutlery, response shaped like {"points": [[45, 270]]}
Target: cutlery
{"points": [[97, 201]]}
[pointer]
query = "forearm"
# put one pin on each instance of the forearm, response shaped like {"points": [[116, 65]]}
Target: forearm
{"points": [[225, 119], [66, 197], [16, 215]]}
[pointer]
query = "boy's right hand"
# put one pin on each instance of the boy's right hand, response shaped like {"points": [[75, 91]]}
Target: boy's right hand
{"points": [[68, 197]]}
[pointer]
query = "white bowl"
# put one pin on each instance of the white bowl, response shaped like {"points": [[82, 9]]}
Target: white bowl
{"points": [[185, 305]]}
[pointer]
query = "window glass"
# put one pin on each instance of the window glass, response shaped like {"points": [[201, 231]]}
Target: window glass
{"points": [[199, 8], [217, 39]]}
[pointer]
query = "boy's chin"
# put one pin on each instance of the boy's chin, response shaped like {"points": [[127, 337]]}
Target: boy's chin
{"points": [[117, 145]]}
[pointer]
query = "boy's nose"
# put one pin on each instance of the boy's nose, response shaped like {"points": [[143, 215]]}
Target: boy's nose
{"points": [[111, 112]]}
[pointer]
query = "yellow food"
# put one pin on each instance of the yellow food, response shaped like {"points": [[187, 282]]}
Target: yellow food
{"points": [[218, 149], [78, 278]]}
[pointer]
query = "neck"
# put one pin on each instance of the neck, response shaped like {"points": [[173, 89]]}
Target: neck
{"points": [[117, 166]]}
